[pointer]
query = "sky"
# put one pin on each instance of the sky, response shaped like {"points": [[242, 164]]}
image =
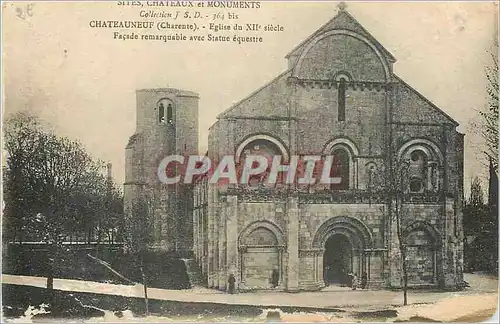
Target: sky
{"points": [[82, 82]]}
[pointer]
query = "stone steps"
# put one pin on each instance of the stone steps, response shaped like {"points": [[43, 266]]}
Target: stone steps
{"points": [[194, 273]]}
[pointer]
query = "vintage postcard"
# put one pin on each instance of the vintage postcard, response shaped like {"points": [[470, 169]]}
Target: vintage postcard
{"points": [[249, 161]]}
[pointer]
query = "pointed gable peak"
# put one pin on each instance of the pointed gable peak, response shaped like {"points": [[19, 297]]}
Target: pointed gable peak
{"points": [[344, 21]]}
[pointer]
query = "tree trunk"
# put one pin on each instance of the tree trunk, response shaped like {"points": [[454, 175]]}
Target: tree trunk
{"points": [[50, 276], [402, 251], [99, 231], [405, 278], [144, 283], [14, 236]]}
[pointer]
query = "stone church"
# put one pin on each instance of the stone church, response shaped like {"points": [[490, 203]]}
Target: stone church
{"points": [[399, 157]]}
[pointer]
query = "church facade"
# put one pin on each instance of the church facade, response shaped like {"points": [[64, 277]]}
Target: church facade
{"points": [[399, 157]]}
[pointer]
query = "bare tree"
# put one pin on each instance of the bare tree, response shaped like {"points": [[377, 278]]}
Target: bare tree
{"points": [[396, 188], [490, 115], [139, 237], [52, 186], [475, 211], [490, 134]]}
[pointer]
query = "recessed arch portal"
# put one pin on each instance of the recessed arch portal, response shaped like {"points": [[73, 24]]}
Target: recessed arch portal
{"points": [[270, 226], [422, 243], [337, 259], [352, 227], [261, 245], [343, 241]]}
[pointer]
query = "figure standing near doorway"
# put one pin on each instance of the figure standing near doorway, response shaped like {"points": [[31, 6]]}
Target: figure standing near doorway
{"points": [[275, 277], [354, 281], [231, 281], [350, 277], [364, 280], [343, 277]]}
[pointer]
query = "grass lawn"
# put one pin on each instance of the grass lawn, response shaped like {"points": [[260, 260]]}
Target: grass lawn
{"points": [[162, 271], [70, 305], [70, 264]]}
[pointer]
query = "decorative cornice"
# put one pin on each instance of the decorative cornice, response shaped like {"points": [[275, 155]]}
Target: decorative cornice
{"points": [[376, 250], [176, 92], [244, 248], [342, 197], [332, 84], [281, 194], [273, 118], [135, 183]]}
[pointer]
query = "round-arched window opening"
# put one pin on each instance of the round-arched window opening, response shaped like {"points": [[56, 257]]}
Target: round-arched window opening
{"points": [[340, 169], [263, 148], [165, 112], [342, 77], [415, 156], [416, 185]]}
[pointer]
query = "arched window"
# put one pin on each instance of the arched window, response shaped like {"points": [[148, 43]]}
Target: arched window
{"points": [[343, 152], [161, 113], [170, 114], [340, 169], [341, 99], [165, 112], [422, 162], [341, 78], [417, 171], [264, 148]]}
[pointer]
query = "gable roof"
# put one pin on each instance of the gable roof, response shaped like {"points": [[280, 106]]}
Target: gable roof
{"points": [[343, 20], [268, 90], [427, 101]]}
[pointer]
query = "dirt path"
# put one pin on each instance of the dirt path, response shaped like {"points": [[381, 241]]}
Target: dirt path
{"points": [[338, 299]]}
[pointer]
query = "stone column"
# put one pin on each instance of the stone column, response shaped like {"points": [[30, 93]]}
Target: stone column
{"points": [[222, 248], [282, 282], [355, 262], [320, 279], [375, 268], [232, 238], [195, 215], [217, 215], [201, 215], [394, 257], [211, 237], [431, 176], [293, 244]]}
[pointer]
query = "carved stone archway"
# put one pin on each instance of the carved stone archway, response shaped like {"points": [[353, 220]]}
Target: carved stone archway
{"points": [[354, 227], [261, 245], [356, 233], [423, 244]]}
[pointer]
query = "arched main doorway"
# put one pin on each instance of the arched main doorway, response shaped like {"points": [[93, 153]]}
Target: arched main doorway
{"points": [[343, 241], [337, 259]]}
